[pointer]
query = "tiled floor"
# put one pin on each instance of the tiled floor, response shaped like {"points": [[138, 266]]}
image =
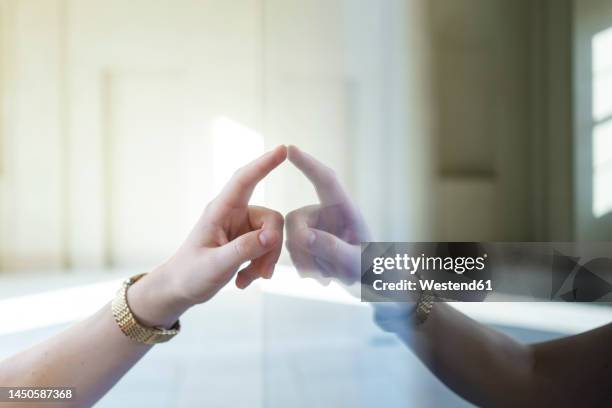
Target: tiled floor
{"points": [[268, 350]]}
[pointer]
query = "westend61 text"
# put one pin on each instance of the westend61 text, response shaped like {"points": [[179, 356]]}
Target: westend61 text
{"points": [[432, 285]]}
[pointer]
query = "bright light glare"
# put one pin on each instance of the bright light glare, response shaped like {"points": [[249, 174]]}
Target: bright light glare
{"points": [[602, 169], [234, 146], [54, 307], [602, 117], [602, 75]]}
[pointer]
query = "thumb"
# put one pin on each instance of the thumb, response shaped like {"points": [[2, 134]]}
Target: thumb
{"points": [[324, 245], [246, 247]]}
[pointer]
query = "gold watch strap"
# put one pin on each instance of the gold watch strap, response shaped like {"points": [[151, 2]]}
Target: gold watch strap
{"points": [[130, 326], [423, 307]]}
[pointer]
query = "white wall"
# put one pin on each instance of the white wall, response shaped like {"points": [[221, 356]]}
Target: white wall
{"points": [[109, 125], [31, 153], [123, 119]]}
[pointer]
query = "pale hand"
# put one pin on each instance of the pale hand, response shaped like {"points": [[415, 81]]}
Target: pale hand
{"points": [[228, 234]]}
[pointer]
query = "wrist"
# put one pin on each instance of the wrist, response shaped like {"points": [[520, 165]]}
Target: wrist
{"points": [[154, 300]]}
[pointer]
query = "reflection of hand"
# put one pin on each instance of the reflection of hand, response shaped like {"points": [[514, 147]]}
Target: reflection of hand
{"points": [[228, 234], [325, 238]]}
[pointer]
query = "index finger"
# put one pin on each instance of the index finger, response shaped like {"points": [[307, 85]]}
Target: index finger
{"points": [[323, 178], [239, 189]]}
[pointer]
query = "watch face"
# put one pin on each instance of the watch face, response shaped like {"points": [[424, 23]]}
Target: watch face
{"points": [[159, 338]]}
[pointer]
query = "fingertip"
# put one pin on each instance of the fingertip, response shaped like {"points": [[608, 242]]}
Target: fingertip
{"points": [[305, 238], [243, 280], [280, 152], [240, 283], [269, 272], [305, 162], [284, 149], [268, 237], [292, 152]]}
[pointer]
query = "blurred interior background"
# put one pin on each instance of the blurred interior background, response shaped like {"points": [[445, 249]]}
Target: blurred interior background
{"points": [[485, 120]]}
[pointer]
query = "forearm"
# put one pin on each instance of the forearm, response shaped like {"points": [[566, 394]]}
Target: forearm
{"points": [[91, 356], [482, 365], [94, 354], [489, 368]]}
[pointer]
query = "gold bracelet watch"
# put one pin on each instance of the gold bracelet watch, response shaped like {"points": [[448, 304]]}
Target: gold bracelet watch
{"points": [[130, 326], [423, 307]]}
